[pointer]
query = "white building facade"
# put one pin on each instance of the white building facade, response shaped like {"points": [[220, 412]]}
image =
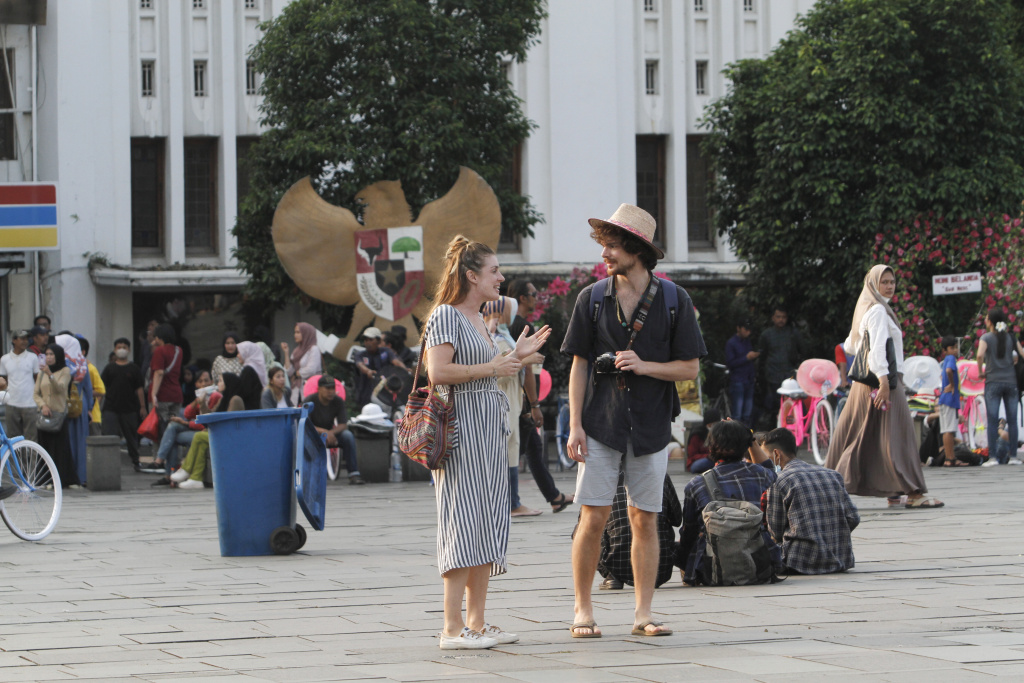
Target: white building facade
{"points": [[147, 107]]}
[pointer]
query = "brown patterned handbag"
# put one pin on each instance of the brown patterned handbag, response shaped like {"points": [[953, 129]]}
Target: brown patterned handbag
{"points": [[428, 433]]}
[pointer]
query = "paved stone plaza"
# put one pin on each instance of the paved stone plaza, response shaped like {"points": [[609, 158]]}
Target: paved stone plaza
{"points": [[131, 586]]}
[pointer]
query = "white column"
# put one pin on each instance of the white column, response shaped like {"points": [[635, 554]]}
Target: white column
{"points": [[678, 57], [227, 186], [537, 150], [179, 97]]}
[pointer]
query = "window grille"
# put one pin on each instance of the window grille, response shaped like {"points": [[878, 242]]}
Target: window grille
{"points": [[252, 85], [199, 79], [702, 78], [651, 77], [147, 79]]}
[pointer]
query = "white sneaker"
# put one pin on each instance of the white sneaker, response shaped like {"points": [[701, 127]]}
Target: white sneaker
{"points": [[191, 484], [503, 637], [179, 475], [1014, 461], [467, 640], [991, 462]]}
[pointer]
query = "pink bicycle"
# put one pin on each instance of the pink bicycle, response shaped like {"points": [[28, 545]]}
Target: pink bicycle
{"points": [[815, 423]]}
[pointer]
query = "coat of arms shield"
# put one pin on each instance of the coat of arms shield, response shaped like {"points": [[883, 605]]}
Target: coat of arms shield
{"points": [[389, 270]]}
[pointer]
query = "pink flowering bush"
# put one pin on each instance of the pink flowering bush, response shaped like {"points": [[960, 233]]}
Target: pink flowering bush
{"points": [[993, 246]]}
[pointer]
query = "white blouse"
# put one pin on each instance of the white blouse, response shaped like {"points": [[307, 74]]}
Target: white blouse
{"points": [[880, 327]]}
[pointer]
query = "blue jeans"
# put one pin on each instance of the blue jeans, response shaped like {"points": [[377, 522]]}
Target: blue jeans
{"points": [[513, 485], [741, 402], [175, 435], [1006, 393], [701, 466], [347, 444]]}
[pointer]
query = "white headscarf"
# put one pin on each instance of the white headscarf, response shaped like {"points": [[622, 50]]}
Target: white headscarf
{"points": [[252, 356], [869, 297], [73, 356]]}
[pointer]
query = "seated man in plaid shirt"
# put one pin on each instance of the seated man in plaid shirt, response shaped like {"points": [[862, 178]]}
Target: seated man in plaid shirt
{"points": [[808, 511]]}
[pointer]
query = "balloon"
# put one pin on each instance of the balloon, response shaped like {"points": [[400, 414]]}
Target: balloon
{"points": [[311, 387], [545, 385]]}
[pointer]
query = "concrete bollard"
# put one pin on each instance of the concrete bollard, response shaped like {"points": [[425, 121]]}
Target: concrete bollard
{"points": [[103, 463]]}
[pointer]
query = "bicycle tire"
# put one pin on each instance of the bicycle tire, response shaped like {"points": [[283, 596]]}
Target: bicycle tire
{"points": [[823, 424], [333, 463], [31, 513]]}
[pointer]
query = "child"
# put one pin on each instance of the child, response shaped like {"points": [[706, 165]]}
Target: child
{"points": [[698, 457], [949, 399]]}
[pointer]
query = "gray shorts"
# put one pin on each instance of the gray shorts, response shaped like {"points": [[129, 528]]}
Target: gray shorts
{"points": [[598, 476], [948, 419]]}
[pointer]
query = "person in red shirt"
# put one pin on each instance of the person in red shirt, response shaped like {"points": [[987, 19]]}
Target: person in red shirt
{"points": [[698, 457], [165, 375]]}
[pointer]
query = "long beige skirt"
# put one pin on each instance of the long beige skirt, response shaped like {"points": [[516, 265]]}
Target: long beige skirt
{"points": [[875, 450]]}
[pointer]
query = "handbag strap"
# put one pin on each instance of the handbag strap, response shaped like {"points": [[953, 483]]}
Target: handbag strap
{"points": [[419, 360]]}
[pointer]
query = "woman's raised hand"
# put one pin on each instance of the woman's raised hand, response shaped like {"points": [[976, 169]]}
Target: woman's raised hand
{"points": [[525, 346], [506, 365]]}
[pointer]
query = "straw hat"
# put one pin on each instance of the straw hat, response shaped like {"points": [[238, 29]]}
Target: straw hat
{"points": [[922, 374], [791, 388], [818, 377], [971, 384], [633, 220]]}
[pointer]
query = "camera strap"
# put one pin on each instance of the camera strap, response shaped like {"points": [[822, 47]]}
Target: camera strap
{"points": [[645, 307]]}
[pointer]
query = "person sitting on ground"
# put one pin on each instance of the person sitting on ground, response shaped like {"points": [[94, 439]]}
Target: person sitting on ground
{"points": [[228, 360], [698, 457], [192, 471], [181, 431], [808, 511], [276, 395], [616, 564], [330, 418], [728, 442]]}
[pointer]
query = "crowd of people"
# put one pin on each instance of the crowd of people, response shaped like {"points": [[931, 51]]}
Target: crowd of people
{"points": [[755, 513]]}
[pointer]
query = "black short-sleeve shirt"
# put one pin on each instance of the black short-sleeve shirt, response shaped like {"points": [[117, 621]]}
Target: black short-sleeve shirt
{"points": [[323, 416], [643, 412]]}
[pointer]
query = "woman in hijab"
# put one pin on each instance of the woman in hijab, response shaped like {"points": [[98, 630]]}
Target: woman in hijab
{"points": [[873, 446], [304, 361], [189, 375], [252, 357], [51, 396], [228, 361], [78, 427]]}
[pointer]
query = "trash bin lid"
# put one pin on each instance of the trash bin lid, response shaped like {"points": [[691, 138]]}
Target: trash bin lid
{"points": [[310, 471]]}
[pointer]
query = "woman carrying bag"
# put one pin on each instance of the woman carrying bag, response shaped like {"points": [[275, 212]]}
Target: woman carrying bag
{"points": [[873, 446], [51, 396], [996, 366]]}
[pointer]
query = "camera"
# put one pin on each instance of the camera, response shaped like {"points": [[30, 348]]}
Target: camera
{"points": [[605, 364]]}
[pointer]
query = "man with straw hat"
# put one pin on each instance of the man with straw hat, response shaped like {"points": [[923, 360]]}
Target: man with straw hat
{"points": [[630, 341]]}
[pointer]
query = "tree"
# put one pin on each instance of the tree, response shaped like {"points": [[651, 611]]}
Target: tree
{"points": [[355, 92], [868, 114]]}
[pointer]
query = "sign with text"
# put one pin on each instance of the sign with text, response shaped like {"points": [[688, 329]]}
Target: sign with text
{"points": [[956, 283], [28, 216]]}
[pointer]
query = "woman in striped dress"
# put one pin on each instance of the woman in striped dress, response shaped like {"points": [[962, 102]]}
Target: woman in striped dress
{"points": [[473, 488]]}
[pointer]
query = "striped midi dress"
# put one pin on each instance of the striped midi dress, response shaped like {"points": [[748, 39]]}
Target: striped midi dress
{"points": [[472, 489]]}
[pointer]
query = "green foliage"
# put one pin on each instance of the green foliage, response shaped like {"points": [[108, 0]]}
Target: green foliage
{"points": [[356, 92], [871, 112]]}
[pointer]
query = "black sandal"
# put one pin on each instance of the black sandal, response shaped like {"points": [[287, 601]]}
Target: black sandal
{"points": [[560, 503]]}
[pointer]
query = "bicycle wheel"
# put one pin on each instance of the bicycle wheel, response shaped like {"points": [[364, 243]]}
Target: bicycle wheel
{"points": [[333, 462], [977, 421], [823, 423], [32, 512]]}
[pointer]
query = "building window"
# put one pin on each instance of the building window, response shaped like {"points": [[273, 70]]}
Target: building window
{"points": [[252, 4], [698, 209], [8, 148], [200, 194], [198, 4], [145, 4], [650, 180], [147, 194], [509, 241], [698, 5], [748, 5], [651, 77], [701, 80], [199, 79], [650, 6], [147, 79], [252, 84]]}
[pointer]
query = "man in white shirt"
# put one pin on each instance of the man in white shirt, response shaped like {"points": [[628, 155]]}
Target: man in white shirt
{"points": [[17, 377]]}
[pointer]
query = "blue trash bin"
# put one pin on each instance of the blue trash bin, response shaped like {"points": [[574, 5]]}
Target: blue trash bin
{"points": [[256, 474]]}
